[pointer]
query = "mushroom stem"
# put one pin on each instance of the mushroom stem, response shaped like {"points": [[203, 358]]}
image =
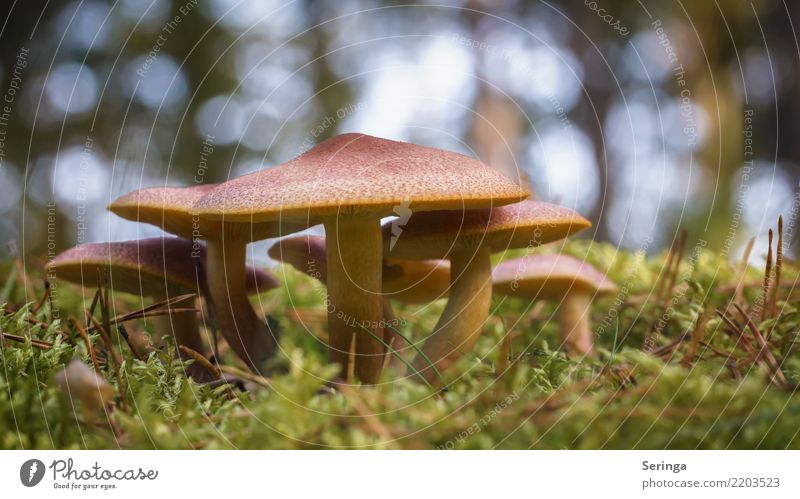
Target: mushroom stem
{"points": [[461, 322], [355, 253], [183, 328], [576, 331], [246, 333]]}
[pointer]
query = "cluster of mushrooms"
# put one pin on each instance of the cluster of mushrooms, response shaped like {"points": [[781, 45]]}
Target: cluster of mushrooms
{"points": [[462, 211]]}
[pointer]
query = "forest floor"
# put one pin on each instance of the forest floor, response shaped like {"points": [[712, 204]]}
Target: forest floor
{"points": [[694, 352]]}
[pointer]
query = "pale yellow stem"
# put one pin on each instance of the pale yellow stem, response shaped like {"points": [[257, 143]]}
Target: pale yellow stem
{"points": [[461, 322], [354, 256], [574, 318], [246, 333]]}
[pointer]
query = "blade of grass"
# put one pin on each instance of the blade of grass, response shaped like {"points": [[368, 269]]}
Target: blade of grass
{"points": [[418, 350], [404, 361]]}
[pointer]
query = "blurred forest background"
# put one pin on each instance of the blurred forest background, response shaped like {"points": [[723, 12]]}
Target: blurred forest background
{"points": [[645, 116]]}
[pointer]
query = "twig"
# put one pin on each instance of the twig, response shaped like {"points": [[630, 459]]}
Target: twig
{"points": [[107, 341], [717, 351], [200, 359], [740, 335], [667, 269], [666, 284], [92, 306], [89, 347], [670, 347], [677, 264], [124, 333], [733, 367], [778, 265], [259, 380], [764, 349], [44, 298], [106, 338], [156, 310], [765, 292], [22, 339]]}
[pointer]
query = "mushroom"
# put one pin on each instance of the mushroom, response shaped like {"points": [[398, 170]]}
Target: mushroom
{"points": [[468, 239], [81, 383], [557, 277], [170, 208], [408, 281], [348, 183], [305, 253], [157, 268]]}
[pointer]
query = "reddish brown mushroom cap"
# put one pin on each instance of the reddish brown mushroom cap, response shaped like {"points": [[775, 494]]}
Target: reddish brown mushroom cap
{"points": [[172, 209], [436, 234], [169, 208], [154, 267], [356, 173], [549, 277]]}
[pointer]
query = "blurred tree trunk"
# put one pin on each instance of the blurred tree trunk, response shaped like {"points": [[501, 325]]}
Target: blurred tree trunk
{"points": [[495, 135], [710, 81]]}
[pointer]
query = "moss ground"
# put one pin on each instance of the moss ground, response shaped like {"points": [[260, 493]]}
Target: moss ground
{"points": [[698, 382]]}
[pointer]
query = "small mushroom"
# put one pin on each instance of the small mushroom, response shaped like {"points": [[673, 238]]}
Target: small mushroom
{"points": [[157, 268], [305, 253], [348, 183], [80, 383], [468, 239], [171, 208], [557, 277]]}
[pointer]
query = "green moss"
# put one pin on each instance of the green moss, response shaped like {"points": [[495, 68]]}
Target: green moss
{"points": [[626, 398]]}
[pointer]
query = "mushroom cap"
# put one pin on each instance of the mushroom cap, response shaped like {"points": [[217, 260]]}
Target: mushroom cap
{"points": [[435, 234], [549, 277], [404, 280], [359, 174], [172, 209], [155, 267]]}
